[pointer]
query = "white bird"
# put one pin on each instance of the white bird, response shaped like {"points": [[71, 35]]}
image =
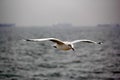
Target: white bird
{"points": [[63, 45]]}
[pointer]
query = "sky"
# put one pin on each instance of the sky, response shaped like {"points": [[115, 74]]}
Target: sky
{"points": [[49, 12]]}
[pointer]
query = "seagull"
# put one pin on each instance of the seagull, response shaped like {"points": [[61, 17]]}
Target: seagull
{"points": [[63, 45]]}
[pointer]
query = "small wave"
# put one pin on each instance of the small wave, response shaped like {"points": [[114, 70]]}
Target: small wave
{"points": [[46, 65]]}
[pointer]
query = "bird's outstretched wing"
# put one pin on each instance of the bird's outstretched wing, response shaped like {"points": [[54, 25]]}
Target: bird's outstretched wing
{"points": [[46, 39], [86, 41]]}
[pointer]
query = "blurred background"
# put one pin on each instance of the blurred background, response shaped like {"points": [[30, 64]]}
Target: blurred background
{"points": [[97, 20]]}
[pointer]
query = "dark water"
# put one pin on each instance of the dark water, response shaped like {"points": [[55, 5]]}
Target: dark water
{"points": [[21, 60]]}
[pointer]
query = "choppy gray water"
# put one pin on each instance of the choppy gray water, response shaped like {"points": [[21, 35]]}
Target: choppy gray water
{"points": [[21, 60]]}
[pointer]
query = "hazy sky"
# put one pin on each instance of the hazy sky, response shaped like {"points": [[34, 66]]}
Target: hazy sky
{"points": [[49, 12]]}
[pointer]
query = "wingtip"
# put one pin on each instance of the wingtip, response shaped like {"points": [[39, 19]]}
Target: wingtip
{"points": [[100, 43], [25, 40], [28, 40]]}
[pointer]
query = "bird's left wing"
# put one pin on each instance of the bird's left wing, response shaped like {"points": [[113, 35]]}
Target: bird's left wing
{"points": [[46, 39], [86, 41]]}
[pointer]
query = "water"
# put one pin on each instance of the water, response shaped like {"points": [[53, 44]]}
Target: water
{"points": [[21, 60]]}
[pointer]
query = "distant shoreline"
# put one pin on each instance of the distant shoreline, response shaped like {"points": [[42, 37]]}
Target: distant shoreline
{"points": [[7, 25]]}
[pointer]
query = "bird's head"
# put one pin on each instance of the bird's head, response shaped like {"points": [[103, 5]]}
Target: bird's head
{"points": [[71, 46]]}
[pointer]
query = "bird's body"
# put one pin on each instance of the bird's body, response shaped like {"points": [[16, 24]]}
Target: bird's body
{"points": [[63, 45]]}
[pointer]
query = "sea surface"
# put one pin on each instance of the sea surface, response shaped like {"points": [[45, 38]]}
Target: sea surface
{"points": [[20, 60]]}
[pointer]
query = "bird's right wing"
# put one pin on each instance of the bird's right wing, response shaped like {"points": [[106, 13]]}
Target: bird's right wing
{"points": [[86, 41], [46, 39]]}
